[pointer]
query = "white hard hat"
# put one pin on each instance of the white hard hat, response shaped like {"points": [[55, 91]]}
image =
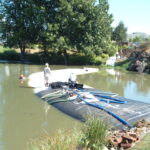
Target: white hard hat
{"points": [[46, 64]]}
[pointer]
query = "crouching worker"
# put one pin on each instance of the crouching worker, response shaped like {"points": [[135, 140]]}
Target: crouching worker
{"points": [[47, 73], [72, 80]]}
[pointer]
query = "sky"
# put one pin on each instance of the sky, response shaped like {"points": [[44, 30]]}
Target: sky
{"points": [[135, 14]]}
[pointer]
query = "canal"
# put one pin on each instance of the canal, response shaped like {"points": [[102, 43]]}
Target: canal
{"points": [[24, 116]]}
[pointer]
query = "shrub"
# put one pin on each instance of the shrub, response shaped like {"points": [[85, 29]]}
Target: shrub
{"points": [[94, 134], [10, 55], [80, 59], [124, 64], [35, 58], [99, 60]]}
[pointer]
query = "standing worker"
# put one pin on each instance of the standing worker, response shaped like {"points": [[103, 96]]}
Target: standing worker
{"points": [[47, 73]]}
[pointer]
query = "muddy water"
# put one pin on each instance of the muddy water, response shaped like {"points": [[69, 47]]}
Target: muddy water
{"points": [[24, 116], [131, 85]]}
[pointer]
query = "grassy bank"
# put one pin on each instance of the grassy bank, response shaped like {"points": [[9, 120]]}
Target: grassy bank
{"points": [[3, 49], [39, 57], [92, 136], [123, 64]]}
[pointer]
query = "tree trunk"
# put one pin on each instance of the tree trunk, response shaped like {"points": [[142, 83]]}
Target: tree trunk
{"points": [[45, 54], [22, 49], [65, 57]]}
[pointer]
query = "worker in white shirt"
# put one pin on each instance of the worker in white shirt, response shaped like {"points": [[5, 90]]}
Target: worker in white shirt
{"points": [[72, 79], [47, 73]]}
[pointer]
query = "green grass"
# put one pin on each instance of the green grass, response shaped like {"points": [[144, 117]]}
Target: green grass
{"points": [[62, 140], [3, 49], [92, 136], [144, 144], [123, 64]]}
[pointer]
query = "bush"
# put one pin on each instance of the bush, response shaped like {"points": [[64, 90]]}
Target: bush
{"points": [[80, 59], [10, 55], [94, 134], [34, 58], [100, 60], [123, 64]]}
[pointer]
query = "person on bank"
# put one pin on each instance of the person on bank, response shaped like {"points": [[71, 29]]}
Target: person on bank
{"points": [[47, 74]]}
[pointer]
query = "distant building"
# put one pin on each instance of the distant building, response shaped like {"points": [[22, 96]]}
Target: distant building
{"points": [[142, 35]]}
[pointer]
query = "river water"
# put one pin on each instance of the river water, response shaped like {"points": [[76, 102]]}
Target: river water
{"points": [[24, 116]]}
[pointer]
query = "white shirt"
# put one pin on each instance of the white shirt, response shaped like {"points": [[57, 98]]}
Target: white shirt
{"points": [[47, 71], [72, 77]]}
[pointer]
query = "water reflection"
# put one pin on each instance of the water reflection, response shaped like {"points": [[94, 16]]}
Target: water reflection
{"points": [[46, 108], [7, 70], [128, 84], [22, 114]]}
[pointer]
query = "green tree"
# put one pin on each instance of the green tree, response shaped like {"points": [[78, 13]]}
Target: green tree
{"points": [[137, 39], [120, 33], [21, 25], [78, 25], [60, 26]]}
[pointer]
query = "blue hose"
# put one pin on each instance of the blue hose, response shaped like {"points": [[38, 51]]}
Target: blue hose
{"points": [[111, 101], [116, 100], [106, 110]]}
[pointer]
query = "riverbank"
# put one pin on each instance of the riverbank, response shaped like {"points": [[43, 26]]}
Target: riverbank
{"points": [[137, 60], [38, 56], [95, 134]]}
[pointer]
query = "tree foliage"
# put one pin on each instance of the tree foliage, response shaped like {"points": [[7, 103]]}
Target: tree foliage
{"points": [[120, 33], [21, 24], [61, 26]]}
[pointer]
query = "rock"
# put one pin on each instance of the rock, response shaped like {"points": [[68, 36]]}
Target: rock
{"points": [[112, 148], [129, 138], [125, 139], [134, 135], [105, 148], [144, 130], [139, 61], [126, 145]]}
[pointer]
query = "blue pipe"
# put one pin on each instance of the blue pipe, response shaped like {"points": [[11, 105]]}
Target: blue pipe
{"points": [[108, 111], [112, 98], [115, 100], [106, 93], [111, 101]]}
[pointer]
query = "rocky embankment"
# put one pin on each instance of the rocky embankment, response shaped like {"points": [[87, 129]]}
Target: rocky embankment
{"points": [[138, 57], [125, 139], [140, 61]]}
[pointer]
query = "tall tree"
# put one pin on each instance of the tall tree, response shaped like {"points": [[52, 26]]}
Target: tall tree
{"points": [[22, 23], [58, 25], [79, 25], [120, 33]]}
